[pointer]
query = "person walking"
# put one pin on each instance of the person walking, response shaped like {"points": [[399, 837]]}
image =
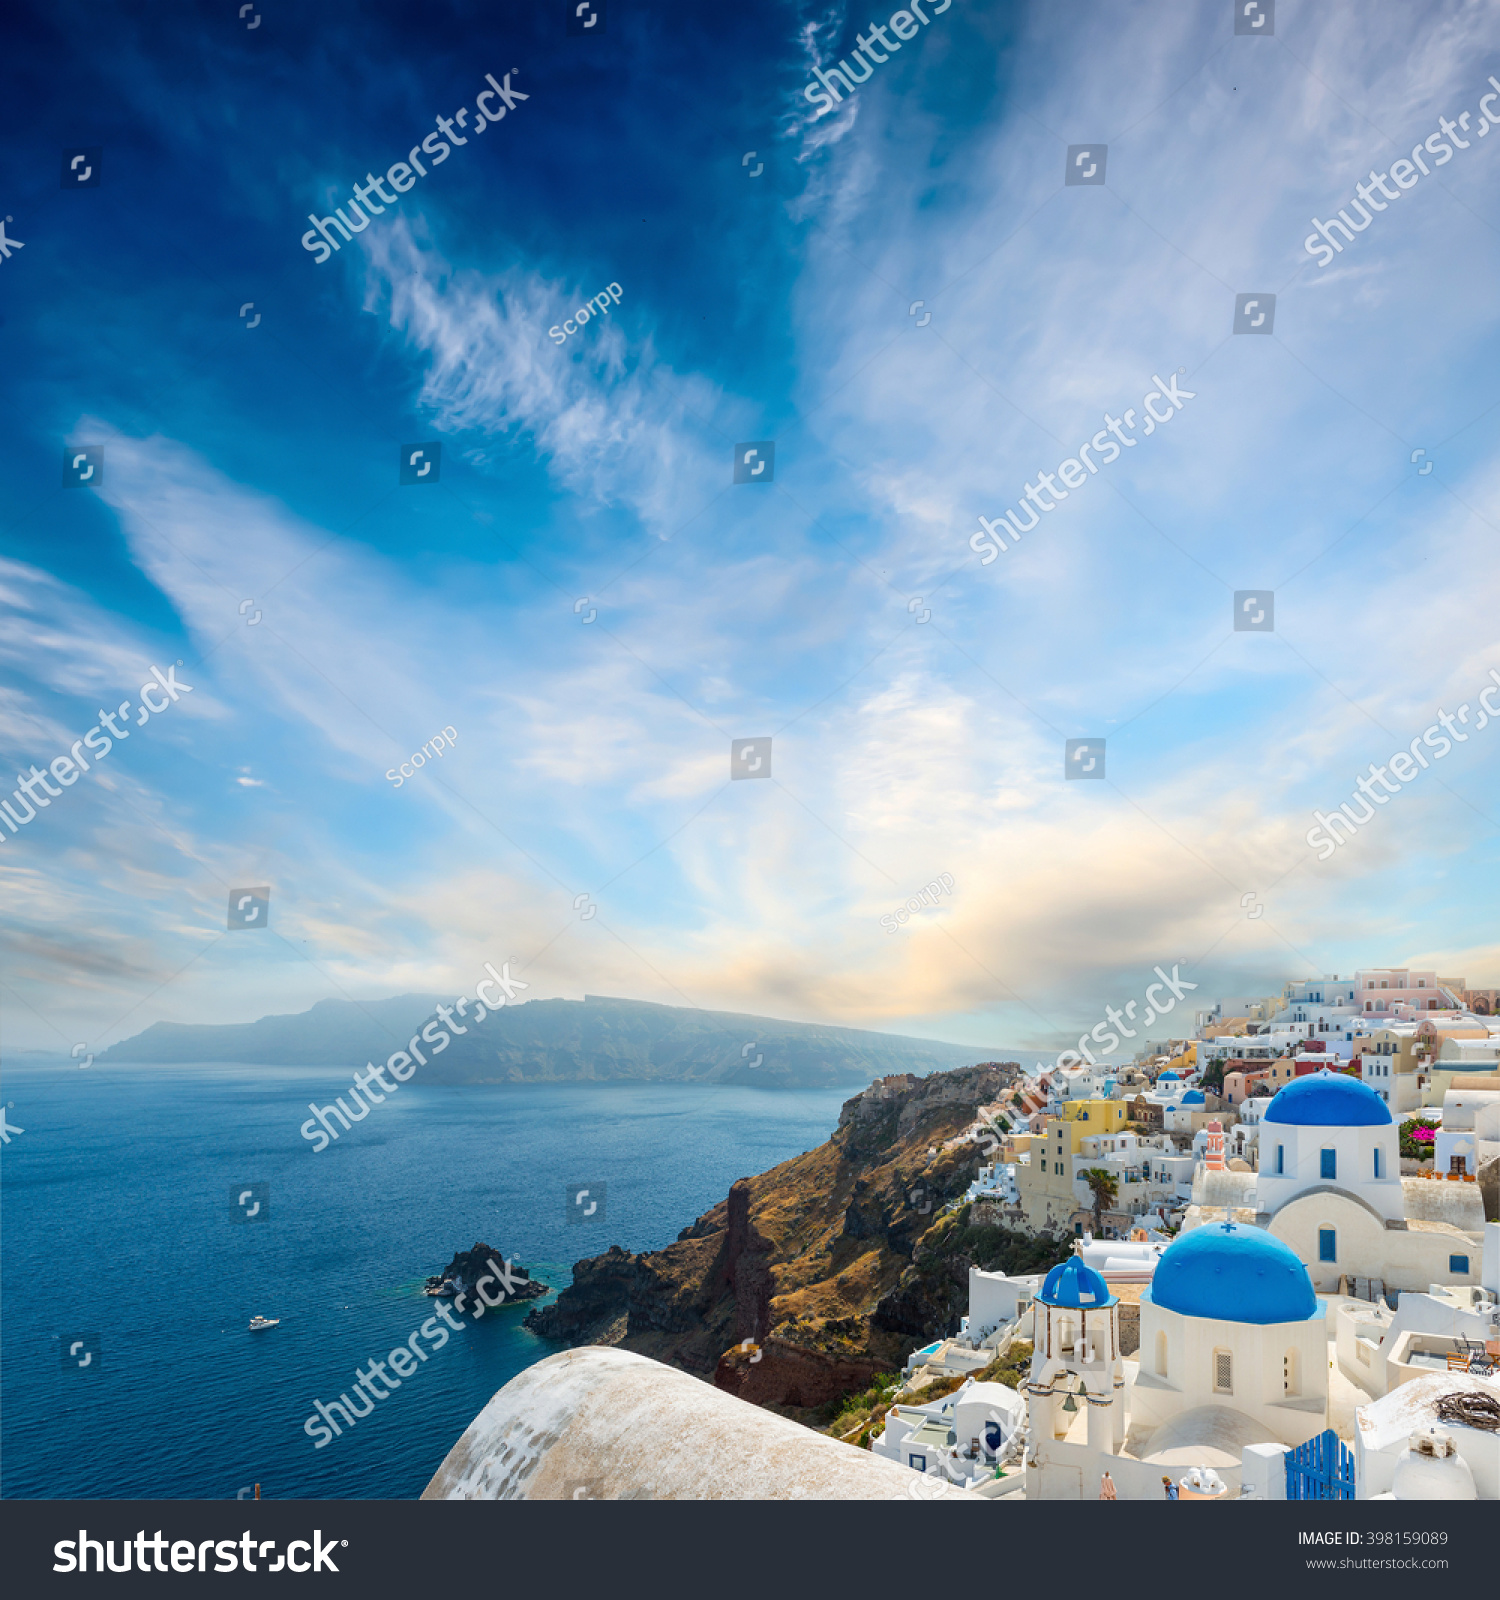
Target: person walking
{"points": [[1107, 1488], [1170, 1488]]}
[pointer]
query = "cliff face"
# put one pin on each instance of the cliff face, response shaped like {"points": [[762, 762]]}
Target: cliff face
{"points": [[830, 1264]]}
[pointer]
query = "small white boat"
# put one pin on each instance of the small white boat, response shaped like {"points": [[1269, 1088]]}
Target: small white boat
{"points": [[257, 1322]]}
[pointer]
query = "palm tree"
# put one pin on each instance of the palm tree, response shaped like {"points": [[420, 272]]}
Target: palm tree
{"points": [[1104, 1187]]}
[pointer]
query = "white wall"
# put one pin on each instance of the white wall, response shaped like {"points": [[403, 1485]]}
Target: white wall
{"points": [[1257, 1352], [984, 1403], [995, 1299], [1302, 1149], [1407, 1259]]}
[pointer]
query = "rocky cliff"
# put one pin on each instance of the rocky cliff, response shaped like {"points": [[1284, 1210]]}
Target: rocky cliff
{"points": [[806, 1281]]}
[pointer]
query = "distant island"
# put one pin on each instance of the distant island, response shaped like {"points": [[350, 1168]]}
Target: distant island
{"points": [[593, 1040]]}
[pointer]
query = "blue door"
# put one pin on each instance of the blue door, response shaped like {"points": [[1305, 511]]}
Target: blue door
{"points": [[1321, 1469]]}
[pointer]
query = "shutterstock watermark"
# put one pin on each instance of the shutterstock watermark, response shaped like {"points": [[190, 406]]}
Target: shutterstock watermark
{"points": [[1404, 174], [402, 176], [188, 1555], [402, 1064], [1103, 1033], [404, 1360], [68, 769], [990, 541], [877, 46], [1405, 765]]}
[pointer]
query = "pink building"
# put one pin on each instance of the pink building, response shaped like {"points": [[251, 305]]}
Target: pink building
{"points": [[1382, 989], [1241, 1076]]}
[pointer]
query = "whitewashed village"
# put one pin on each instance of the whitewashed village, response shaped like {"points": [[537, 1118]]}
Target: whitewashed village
{"points": [[1285, 1278]]}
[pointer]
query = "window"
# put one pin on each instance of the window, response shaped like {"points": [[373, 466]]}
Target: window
{"points": [[1458, 1264], [1290, 1373], [1223, 1372], [1280, 1159], [1327, 1244], [1377, 1162], [1161, 1354], [1330, 1164], [917, 1463]]}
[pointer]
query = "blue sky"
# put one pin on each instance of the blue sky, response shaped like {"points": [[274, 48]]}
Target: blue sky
{"points": [[918, 700]]}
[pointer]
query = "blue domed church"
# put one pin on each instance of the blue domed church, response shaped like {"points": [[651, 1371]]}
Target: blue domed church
{"points": [[1233, 1355], [1330, 1132], [1075, 1355], [1330, 1187], [1231, 1323]]}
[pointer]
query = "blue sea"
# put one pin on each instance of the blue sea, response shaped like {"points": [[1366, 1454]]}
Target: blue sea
{"points": [[117, 1237]]}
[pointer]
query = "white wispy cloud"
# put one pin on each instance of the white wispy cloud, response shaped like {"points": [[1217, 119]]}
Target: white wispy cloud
{"points": [[613, 421]]}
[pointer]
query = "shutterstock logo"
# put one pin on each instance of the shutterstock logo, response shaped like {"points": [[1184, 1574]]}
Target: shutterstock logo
{"points": [[586, 19], [249, 908], [1254, 611], [81, 166], [750, 758], [81, 1352], [584, 1202], [83, 464], [1085, 164], [755, 462], [1083, 758], [250, 1202], [422, 463], [1254, 313], [1257, 18]]}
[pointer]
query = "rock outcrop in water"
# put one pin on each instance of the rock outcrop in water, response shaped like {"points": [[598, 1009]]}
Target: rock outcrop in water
{"points": [[463, 1272], [806, 1281]]}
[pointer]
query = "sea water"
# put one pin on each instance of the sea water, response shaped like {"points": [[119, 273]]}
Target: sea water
{"points": [[121, 1234]]}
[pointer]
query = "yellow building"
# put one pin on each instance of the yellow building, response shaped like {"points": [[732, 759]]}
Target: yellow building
{"points": [[1186, 1060], [1049, 1192], [1229, 1028]]}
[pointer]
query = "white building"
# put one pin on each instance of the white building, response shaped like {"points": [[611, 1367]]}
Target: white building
{"points": [[1470, 1132], [1327, 1130], [1075, 1357], [1231, 1323], [995, 1182], [1168, 1090], [960, 1438], [1233, 1359], [1329, 1185], [1384, 1430], [1377, 1050], [1379, 1349], [1121, 1260], [1146, 1168], [996, 1301]]}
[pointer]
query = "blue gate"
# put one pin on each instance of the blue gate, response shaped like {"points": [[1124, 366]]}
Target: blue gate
{"points": [[1321, 1469]]}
